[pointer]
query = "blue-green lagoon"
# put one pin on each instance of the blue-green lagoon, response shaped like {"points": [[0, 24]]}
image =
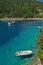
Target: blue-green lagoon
{"points": [[21, 35]]}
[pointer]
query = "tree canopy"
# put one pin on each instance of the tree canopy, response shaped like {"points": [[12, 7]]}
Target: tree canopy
{"points": [[20, 8]]}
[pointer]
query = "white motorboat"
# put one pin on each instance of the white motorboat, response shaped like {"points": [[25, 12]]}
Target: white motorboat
{"points": [[13, 21], [23, 53], [9, 23]]}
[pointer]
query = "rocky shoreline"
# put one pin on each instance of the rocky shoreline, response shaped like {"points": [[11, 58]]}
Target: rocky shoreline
{"points": [[37, 61], [18, 19]]}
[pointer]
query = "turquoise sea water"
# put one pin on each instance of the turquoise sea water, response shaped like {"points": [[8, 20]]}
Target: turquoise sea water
{"points": [[21, 35]]}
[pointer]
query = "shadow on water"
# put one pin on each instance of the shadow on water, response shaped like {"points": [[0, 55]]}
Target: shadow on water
{"points": [[7, 33], [25, 57]]}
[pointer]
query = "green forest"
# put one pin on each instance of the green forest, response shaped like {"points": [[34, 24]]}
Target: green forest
{"points": [[21, 9], [40, 44]]}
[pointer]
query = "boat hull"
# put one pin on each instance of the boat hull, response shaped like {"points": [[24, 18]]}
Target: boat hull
{"points": [[23, 53]]}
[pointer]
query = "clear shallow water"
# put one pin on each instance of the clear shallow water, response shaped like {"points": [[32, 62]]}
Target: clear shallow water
{"points": [[19, 36]]}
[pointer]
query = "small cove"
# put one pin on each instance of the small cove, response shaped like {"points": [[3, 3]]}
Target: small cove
{"points": [[20, 35]]}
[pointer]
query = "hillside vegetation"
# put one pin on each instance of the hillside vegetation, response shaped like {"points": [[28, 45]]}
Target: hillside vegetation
{"points": [[21, 8], [40, 44]]}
